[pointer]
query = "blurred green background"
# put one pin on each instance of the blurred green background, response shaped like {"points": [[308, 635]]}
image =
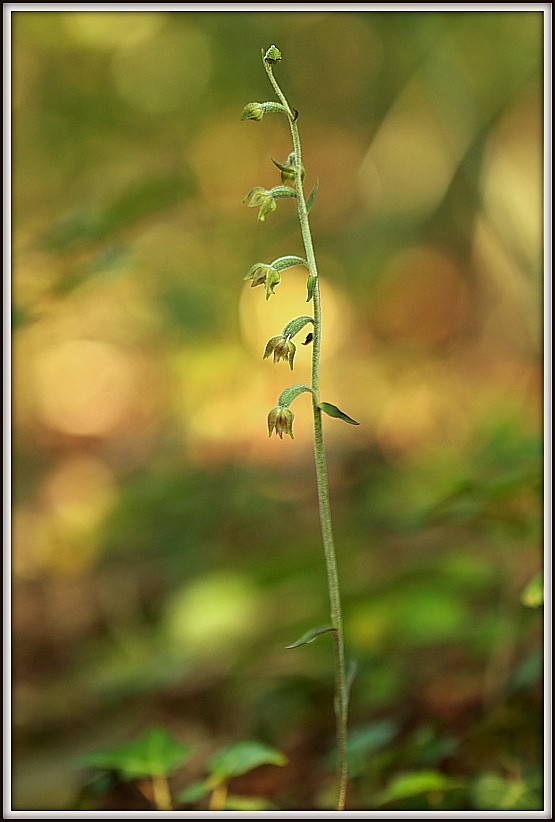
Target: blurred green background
{"points": [[165, 550]]}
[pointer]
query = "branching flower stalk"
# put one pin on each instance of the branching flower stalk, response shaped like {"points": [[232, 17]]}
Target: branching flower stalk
{"points": [[280, 419]]}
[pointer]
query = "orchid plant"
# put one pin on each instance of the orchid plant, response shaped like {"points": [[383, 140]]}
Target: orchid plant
{"points": [[282, 347]]}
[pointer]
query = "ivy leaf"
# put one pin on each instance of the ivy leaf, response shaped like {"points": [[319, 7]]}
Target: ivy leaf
{"points": [[310, 636], [241, 757], [334, 411], [155, 753]]}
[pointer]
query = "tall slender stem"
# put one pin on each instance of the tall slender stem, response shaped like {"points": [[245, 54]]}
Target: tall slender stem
{"points": [[341, 696]]}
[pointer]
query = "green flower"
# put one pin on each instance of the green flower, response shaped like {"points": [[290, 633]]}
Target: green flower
{"points": [[289, 169], [280, 419], [263, 200], [269, 275], [262, 274], [282, 349]]}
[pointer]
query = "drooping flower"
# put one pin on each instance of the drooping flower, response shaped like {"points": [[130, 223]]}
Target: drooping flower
{"points": [[270, 276], [281, 419], [263, 200], [282, 349], [263, 274]]}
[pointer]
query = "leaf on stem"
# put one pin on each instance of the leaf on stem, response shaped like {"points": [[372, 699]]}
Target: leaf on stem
{"points": [[334, 411], [312, 196], [310, 636], [311, 287]]}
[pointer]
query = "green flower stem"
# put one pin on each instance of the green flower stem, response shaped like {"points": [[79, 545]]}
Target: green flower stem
{"points": [[341, 701]]}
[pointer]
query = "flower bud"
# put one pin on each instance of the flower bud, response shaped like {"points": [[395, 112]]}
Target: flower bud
{"points": [[281, 419], [256, 111], [273, 55], [252, 111]]}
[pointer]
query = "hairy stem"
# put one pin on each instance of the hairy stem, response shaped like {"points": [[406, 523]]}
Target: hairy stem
{"points": [[341, 696]]}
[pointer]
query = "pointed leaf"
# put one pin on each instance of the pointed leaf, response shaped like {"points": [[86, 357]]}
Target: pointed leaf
{"points": [[241, 757], [312, 196], [406, 785], [334, 411], [155, 753], [310, 636], [311, 286]]}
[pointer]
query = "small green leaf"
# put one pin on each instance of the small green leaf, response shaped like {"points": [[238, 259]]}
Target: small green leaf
{"points": [[312, 196], [287, 262], [311, 286], [294, 326], [241, 757], [194, 792], [310, 636], [289, 394], [407, 785], [155, 753], [334, 411]]}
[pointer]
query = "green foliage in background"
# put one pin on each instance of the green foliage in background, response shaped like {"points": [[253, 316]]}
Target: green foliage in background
{"points": [[165, 550]]}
